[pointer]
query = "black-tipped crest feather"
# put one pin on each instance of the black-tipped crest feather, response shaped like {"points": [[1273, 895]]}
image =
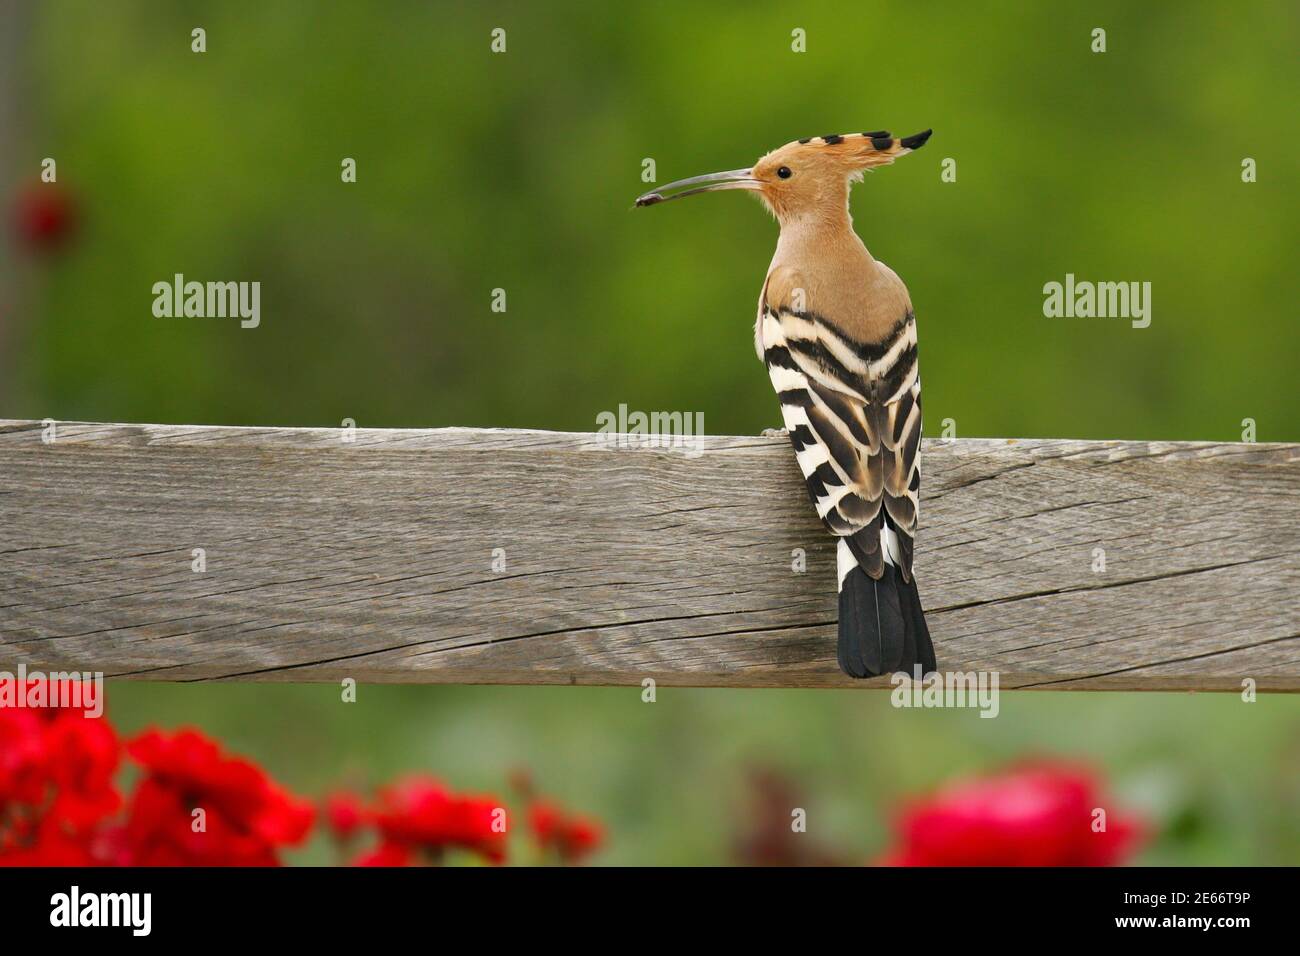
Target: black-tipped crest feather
{"points": [[917, 141]]}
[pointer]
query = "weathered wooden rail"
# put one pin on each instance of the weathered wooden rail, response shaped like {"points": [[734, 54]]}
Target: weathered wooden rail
{"points": [[494, 556]]}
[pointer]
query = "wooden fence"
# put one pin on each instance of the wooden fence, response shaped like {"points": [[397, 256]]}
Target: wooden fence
{"points": [[185, 552]]}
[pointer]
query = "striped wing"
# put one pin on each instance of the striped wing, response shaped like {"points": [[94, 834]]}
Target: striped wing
{"points": [[853, 411]]}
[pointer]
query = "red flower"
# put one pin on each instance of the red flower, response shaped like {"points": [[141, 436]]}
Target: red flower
{"points": [[44, 216], [246, 818], [387, 854], [345, 814], [572, 837], [85, 752], [48, 844], [56, 779], [23, 758], [419, 813], [1036, 816]]}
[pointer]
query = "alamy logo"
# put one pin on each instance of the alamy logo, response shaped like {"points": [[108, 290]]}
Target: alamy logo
{"points": [[975, 689], [69, 690], [1102, 300], [74, 908], [209, 300], [636, 429]]}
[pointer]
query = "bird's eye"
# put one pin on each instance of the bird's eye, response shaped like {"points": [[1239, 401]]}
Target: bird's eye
{"points": [[784, 172]]}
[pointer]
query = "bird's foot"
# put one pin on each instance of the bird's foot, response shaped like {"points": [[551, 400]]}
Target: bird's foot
{"points": [[776, 433]]}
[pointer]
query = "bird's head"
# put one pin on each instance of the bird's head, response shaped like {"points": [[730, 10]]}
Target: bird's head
{"points": [[809, 177]]}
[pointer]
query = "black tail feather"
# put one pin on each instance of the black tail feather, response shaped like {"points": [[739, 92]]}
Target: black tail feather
{"points": [[871, 625], [882, 627], [918, 632]]}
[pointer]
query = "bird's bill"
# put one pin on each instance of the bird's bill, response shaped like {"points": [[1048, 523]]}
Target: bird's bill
{"points": [[712, 182]]}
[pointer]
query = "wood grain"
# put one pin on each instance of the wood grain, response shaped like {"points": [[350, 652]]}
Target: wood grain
{"points": [[373, 558]]}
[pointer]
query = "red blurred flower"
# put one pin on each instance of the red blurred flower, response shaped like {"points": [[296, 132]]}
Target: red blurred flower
{"points": [[345, 814], [49, 844], [246, 818], [56, 779], [387, 854], [23, 760], [44, 216], [419, 813], [85, 755], [1041, 815], [571, 837]]}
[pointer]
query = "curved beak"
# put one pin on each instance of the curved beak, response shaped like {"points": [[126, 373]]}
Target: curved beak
{"points": [[712, 182]]}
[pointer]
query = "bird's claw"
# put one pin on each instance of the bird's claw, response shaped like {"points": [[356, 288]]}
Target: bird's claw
{"points": [[776, 433]]}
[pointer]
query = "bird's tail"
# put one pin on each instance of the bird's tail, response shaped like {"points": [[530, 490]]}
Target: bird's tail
{"points": [[882, 626]]}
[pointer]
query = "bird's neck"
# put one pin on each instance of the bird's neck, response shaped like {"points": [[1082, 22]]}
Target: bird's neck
{"points": [[823, 237], [822, 266]]}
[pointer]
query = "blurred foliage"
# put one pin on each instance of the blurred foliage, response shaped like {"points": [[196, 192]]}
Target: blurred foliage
{"points": [[1218, 779], [478, 171]]}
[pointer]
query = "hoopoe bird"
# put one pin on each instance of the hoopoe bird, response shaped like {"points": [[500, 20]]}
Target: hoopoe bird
{"points": [[837, 333]]}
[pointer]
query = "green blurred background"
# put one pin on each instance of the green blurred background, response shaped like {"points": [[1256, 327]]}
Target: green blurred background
{"points": [[479, 171]]}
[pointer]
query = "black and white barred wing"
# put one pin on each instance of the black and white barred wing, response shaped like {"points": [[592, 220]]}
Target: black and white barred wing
{"points": [[853, 411]]}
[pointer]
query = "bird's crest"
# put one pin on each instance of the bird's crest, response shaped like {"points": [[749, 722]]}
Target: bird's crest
{"points": [[857, 151]]}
